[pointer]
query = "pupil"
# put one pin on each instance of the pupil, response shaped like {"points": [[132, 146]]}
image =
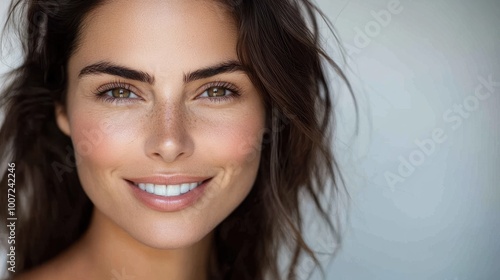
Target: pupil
{"points": [[119, 93], [217, 91]]}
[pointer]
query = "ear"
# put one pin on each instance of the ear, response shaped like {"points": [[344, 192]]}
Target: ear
{"points": [[62, 119]]}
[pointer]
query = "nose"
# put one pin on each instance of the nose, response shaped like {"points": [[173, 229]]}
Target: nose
{"points": [[169, 139]]}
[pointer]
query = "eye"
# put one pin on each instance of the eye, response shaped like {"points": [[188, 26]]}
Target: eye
{"points": [[117, 92], [120, 93], [216, 91]]}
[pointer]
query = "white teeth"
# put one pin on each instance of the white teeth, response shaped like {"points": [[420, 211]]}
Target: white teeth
{"points": [[160, 189], [168, 190], [150, 188], [185, 188], [173, 190]]}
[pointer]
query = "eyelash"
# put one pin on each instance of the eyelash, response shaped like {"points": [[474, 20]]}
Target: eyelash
{"points": [[101, 92]]}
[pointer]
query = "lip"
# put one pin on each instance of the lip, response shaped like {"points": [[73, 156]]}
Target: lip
{"points": [[168, 203], [168, 179]]}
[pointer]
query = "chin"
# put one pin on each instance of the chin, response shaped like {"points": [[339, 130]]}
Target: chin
{"points": [[168, 235]]}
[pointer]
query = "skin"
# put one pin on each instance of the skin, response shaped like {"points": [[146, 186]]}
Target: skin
{"points": [[171, 128]]}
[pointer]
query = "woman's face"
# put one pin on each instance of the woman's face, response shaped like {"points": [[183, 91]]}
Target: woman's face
{"points": [[157, 99]]}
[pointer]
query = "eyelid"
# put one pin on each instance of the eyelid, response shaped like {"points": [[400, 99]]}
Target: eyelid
{"points": [[114, 85]]}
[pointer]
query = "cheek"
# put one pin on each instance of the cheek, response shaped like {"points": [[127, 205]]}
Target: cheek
{"points": [[100, 140], [103, 147], [233, 145], [234, 140]]}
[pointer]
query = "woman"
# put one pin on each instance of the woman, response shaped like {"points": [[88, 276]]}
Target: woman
{"points": [[166, 139]]}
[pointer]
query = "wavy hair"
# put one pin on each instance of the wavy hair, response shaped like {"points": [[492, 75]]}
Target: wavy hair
{"points": [[279, 44]]}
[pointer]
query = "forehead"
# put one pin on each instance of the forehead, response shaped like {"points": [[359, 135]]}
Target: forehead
{"points": [[153, 34]]}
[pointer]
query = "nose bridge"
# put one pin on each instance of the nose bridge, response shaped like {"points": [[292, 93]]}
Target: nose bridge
{"points": [[169, 135], [167, 114]]}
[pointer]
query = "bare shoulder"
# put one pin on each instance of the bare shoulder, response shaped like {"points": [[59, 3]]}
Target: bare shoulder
{"points": [[38, 273], [63, 267]]}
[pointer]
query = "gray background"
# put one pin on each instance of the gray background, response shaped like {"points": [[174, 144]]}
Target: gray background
{"points": [[440, 222]]}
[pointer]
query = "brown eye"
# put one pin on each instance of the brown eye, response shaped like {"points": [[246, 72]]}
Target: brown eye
{"points": [[216, 91], [219, 92], [120, 93]]}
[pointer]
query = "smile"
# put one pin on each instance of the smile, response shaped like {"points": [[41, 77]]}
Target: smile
{"points": [[168, 193], [168, 190]]}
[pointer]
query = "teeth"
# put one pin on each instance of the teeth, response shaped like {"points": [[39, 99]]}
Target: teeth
{"points": [[173, 190], [160, 189], [168, 190], [150, 188], [185, 187]]}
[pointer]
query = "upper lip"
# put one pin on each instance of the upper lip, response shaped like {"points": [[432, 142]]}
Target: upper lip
{"points": [[168, 179]]}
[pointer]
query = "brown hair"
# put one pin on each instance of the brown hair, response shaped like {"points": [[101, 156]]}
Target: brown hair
{"points": [[278, 43]]}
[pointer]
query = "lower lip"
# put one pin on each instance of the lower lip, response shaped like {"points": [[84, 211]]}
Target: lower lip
{"points": [[168, 203]]}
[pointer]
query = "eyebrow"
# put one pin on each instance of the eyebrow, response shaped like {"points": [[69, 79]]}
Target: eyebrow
{"points": [[105, 67], [225, 67]]}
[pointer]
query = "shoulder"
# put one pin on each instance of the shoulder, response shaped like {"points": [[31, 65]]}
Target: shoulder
{"points": [[63, 267], [50, 272], [44, 272]]}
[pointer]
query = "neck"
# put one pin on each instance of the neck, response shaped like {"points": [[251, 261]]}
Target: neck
{"points": [[112, 253]]}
